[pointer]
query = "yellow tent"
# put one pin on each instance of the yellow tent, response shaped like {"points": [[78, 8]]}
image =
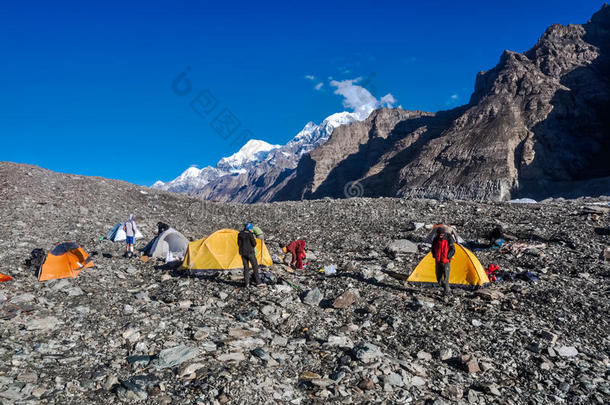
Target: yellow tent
{"points": [[465, 269], [219, 251]]}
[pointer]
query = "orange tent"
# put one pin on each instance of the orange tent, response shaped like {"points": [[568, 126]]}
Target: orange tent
{"points": [[4, 277], [66, 260]]}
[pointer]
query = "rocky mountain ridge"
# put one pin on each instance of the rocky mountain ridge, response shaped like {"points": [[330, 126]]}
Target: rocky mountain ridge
{"points": [[536, 126]]}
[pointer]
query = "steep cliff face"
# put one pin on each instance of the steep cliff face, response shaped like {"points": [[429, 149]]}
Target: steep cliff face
{"points": [[536, 125]]}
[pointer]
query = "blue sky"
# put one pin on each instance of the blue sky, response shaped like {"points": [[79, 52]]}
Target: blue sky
{"points": [[87, 88]]}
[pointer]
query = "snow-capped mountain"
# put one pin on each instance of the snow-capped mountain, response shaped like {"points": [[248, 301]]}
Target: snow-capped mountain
{"points": [[191, 179], [194, 179], [256, 157], [312, 135], [253, 151], [263, 179], [258, 168]]}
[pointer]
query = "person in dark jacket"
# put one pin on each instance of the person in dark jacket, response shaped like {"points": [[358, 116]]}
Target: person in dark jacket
{"points": [[297, 249], [496, 236], [442, 251], [247, 251]]}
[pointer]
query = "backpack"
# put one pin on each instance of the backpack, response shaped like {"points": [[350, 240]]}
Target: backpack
{"points": [[491, 272], [267, 277], [528, 276], [162, 227], [36, 259]]}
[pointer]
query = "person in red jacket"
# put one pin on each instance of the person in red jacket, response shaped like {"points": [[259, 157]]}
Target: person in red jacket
{"points": [[297, 249], [442, 251]]}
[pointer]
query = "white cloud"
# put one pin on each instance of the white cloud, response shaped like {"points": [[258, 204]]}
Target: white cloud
{"points": [[310, 77], [388, 100], [359, 99], [454, 96], [318, 86]]}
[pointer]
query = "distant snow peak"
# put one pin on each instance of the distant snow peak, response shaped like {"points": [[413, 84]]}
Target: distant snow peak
{"points": [[192, 171], [253, 151], [341, 118], [313, 135], [256, 152], [193, 178]]}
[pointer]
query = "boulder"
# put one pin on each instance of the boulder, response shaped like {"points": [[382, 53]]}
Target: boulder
{"points": [[366, 384], [470, 364], [347, 299], [566, 351], [312, 297], [400, 247], [176, 355], [367, 352]]}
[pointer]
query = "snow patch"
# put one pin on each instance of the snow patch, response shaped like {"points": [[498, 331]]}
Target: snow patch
{"points": [[523, 201]]}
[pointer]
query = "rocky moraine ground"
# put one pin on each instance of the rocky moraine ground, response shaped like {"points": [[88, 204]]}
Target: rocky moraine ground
{"points": [[126, 330]]}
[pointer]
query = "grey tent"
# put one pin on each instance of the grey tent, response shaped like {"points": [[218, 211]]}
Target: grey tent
{"points": [[117, 234], [170, 244]]}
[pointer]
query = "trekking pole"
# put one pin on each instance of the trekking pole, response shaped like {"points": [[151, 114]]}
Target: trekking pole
{"points": [[297, 288]]}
